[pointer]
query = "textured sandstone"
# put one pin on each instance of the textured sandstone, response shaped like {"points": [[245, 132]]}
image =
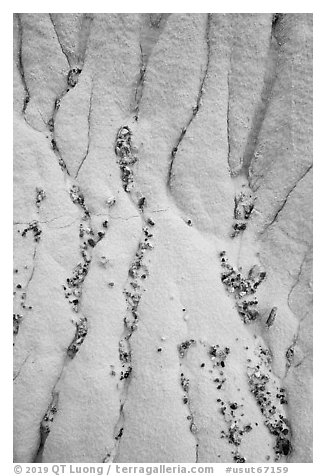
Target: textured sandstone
{"points": [[217, 105]]}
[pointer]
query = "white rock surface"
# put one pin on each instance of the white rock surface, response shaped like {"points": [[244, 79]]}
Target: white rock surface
{"points": [[213, 105]]}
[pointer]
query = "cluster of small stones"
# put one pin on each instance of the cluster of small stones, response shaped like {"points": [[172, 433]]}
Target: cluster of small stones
{"points": [[119, 435], [40, 196], [289, 355], [244, 204], [138, 273], [184, 346], [77, 197], [73, 286], [72, 78], [218, 357], [270, 398], [51, 126], [126, 154], [22, 296], [237, 458], [88, 238], [17, 318], [239, 287], [236, 430], [35, 228], [48, 418], [55, 148], [185, 386], [125, 357], [81, 333]]}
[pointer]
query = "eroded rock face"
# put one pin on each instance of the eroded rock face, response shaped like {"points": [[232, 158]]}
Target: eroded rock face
{"points": [[162, 237]]}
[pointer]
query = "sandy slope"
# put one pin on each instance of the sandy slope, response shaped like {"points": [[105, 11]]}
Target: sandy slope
{"points": [[133, 339]]}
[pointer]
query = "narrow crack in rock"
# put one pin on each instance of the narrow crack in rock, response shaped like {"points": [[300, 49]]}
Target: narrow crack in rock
{"points": [[72, 81], [298, 276], [140, 83], [251, 152], [268, 390], [59, 41], [17, 317], [196, 108], [290, 353], [88, 131], [20, 63], [21, 367], [46, 424], [285, 200], [185, 385], [149, 34]]}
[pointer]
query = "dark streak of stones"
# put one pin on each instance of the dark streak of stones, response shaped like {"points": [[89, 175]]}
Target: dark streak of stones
{"points": [[45, 425], [133, 288], [185, 385]]}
